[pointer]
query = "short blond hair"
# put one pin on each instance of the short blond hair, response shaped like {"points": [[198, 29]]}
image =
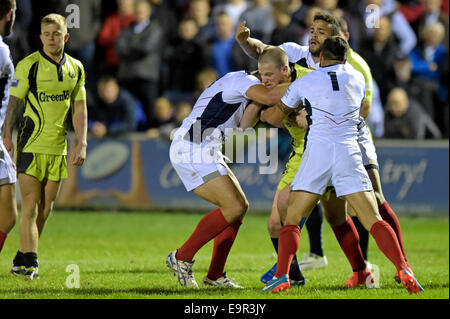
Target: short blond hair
{"points": [[274, 54], [54, 18]]}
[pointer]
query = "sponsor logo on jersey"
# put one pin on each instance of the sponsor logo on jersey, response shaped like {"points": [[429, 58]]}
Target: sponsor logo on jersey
{"points": [[15, 82], [43, 97]]}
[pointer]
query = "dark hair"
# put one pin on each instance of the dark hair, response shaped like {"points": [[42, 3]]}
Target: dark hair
{"points": [[335, 48], [6, 6], [330, 19]]}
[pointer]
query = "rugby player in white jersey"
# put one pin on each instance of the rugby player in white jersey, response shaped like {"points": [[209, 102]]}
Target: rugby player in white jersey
{"points": [[195, 154], [326, 25], [8, 207], [332, 97]]}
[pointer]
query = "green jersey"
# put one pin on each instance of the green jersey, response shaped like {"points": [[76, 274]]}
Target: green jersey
{"points": [[298, 134], [359, 64], [48, 89]]}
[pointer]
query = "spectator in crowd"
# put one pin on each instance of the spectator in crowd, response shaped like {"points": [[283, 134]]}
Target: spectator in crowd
{"points": [[200, 10], [417, 88], [165, 115], [205, 78], [111, 28], [82, 37], [222, 58], [259, 19], [375, 120], [298, 10], [430, 14], [380, 53], [234, 9], [285, 30], [331, 7], [371, 10], [165, 15], [113, 110], [428, 63], [139, 49], [185, 58], [183, 110], [406, 119]]}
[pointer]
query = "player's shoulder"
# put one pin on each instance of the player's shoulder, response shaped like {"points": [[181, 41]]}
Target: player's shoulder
{"points": [[4, 50], [241, 76], [357, 61], [294, 46], [73, 61], [28, 61]]}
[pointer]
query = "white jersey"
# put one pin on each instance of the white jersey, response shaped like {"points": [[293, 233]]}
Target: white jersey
{"points": [[299, 54], [219, 107], [332, 97], [6, 75]]}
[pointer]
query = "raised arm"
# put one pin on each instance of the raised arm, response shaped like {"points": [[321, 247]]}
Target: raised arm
{"points": [[10, 119], [252, 47]]}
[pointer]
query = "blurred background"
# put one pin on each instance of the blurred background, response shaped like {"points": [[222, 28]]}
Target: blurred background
{"points": [[147, 62]]}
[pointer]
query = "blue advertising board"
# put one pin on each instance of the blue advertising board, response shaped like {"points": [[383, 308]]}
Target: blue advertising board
{"points": [[135, 173]]}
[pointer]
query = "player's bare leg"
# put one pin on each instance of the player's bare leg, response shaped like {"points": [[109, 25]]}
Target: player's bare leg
{"points": [[8, 211], [221, 224], [274, 224], [50, 191], [31, 190], [300, 206], [365, 205], [348, 238]]}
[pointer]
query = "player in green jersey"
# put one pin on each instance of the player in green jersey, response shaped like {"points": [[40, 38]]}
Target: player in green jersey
{"points": [[50, 83]]}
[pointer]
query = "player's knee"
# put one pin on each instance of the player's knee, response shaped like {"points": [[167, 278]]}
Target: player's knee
{"points": [[10, 219], [335, 220], [273, 227], [240, 209], [379, 197]]}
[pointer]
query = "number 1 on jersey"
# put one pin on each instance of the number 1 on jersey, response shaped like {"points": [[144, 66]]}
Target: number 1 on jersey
{"points": [[334, 81]]}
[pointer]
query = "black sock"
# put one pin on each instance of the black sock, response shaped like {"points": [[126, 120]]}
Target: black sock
{"points": [[363, 237], [18, 259], [275, 243], [314, 226], [30, 260], [294, 270]]}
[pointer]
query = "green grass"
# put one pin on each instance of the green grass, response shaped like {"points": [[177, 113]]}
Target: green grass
{"points": [[122, 255]]}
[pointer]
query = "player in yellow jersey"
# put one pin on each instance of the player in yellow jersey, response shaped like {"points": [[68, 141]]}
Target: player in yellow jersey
{"points": [[50, 83]]}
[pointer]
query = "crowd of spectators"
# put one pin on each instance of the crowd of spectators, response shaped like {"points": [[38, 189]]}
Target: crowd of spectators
{"points": [[148, 60]]}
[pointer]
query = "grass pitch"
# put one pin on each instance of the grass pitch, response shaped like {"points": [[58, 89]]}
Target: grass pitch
{"points": [[122, 255]]}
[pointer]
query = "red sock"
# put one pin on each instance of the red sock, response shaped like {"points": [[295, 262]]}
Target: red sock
{"points": [[209, 227], [222, 246], [387, 241], [390, 217], [348, 239], [2, 239], [288, 240]]}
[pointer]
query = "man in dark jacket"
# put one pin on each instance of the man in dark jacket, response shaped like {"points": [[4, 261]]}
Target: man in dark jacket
{"points": [[139, 47]]}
